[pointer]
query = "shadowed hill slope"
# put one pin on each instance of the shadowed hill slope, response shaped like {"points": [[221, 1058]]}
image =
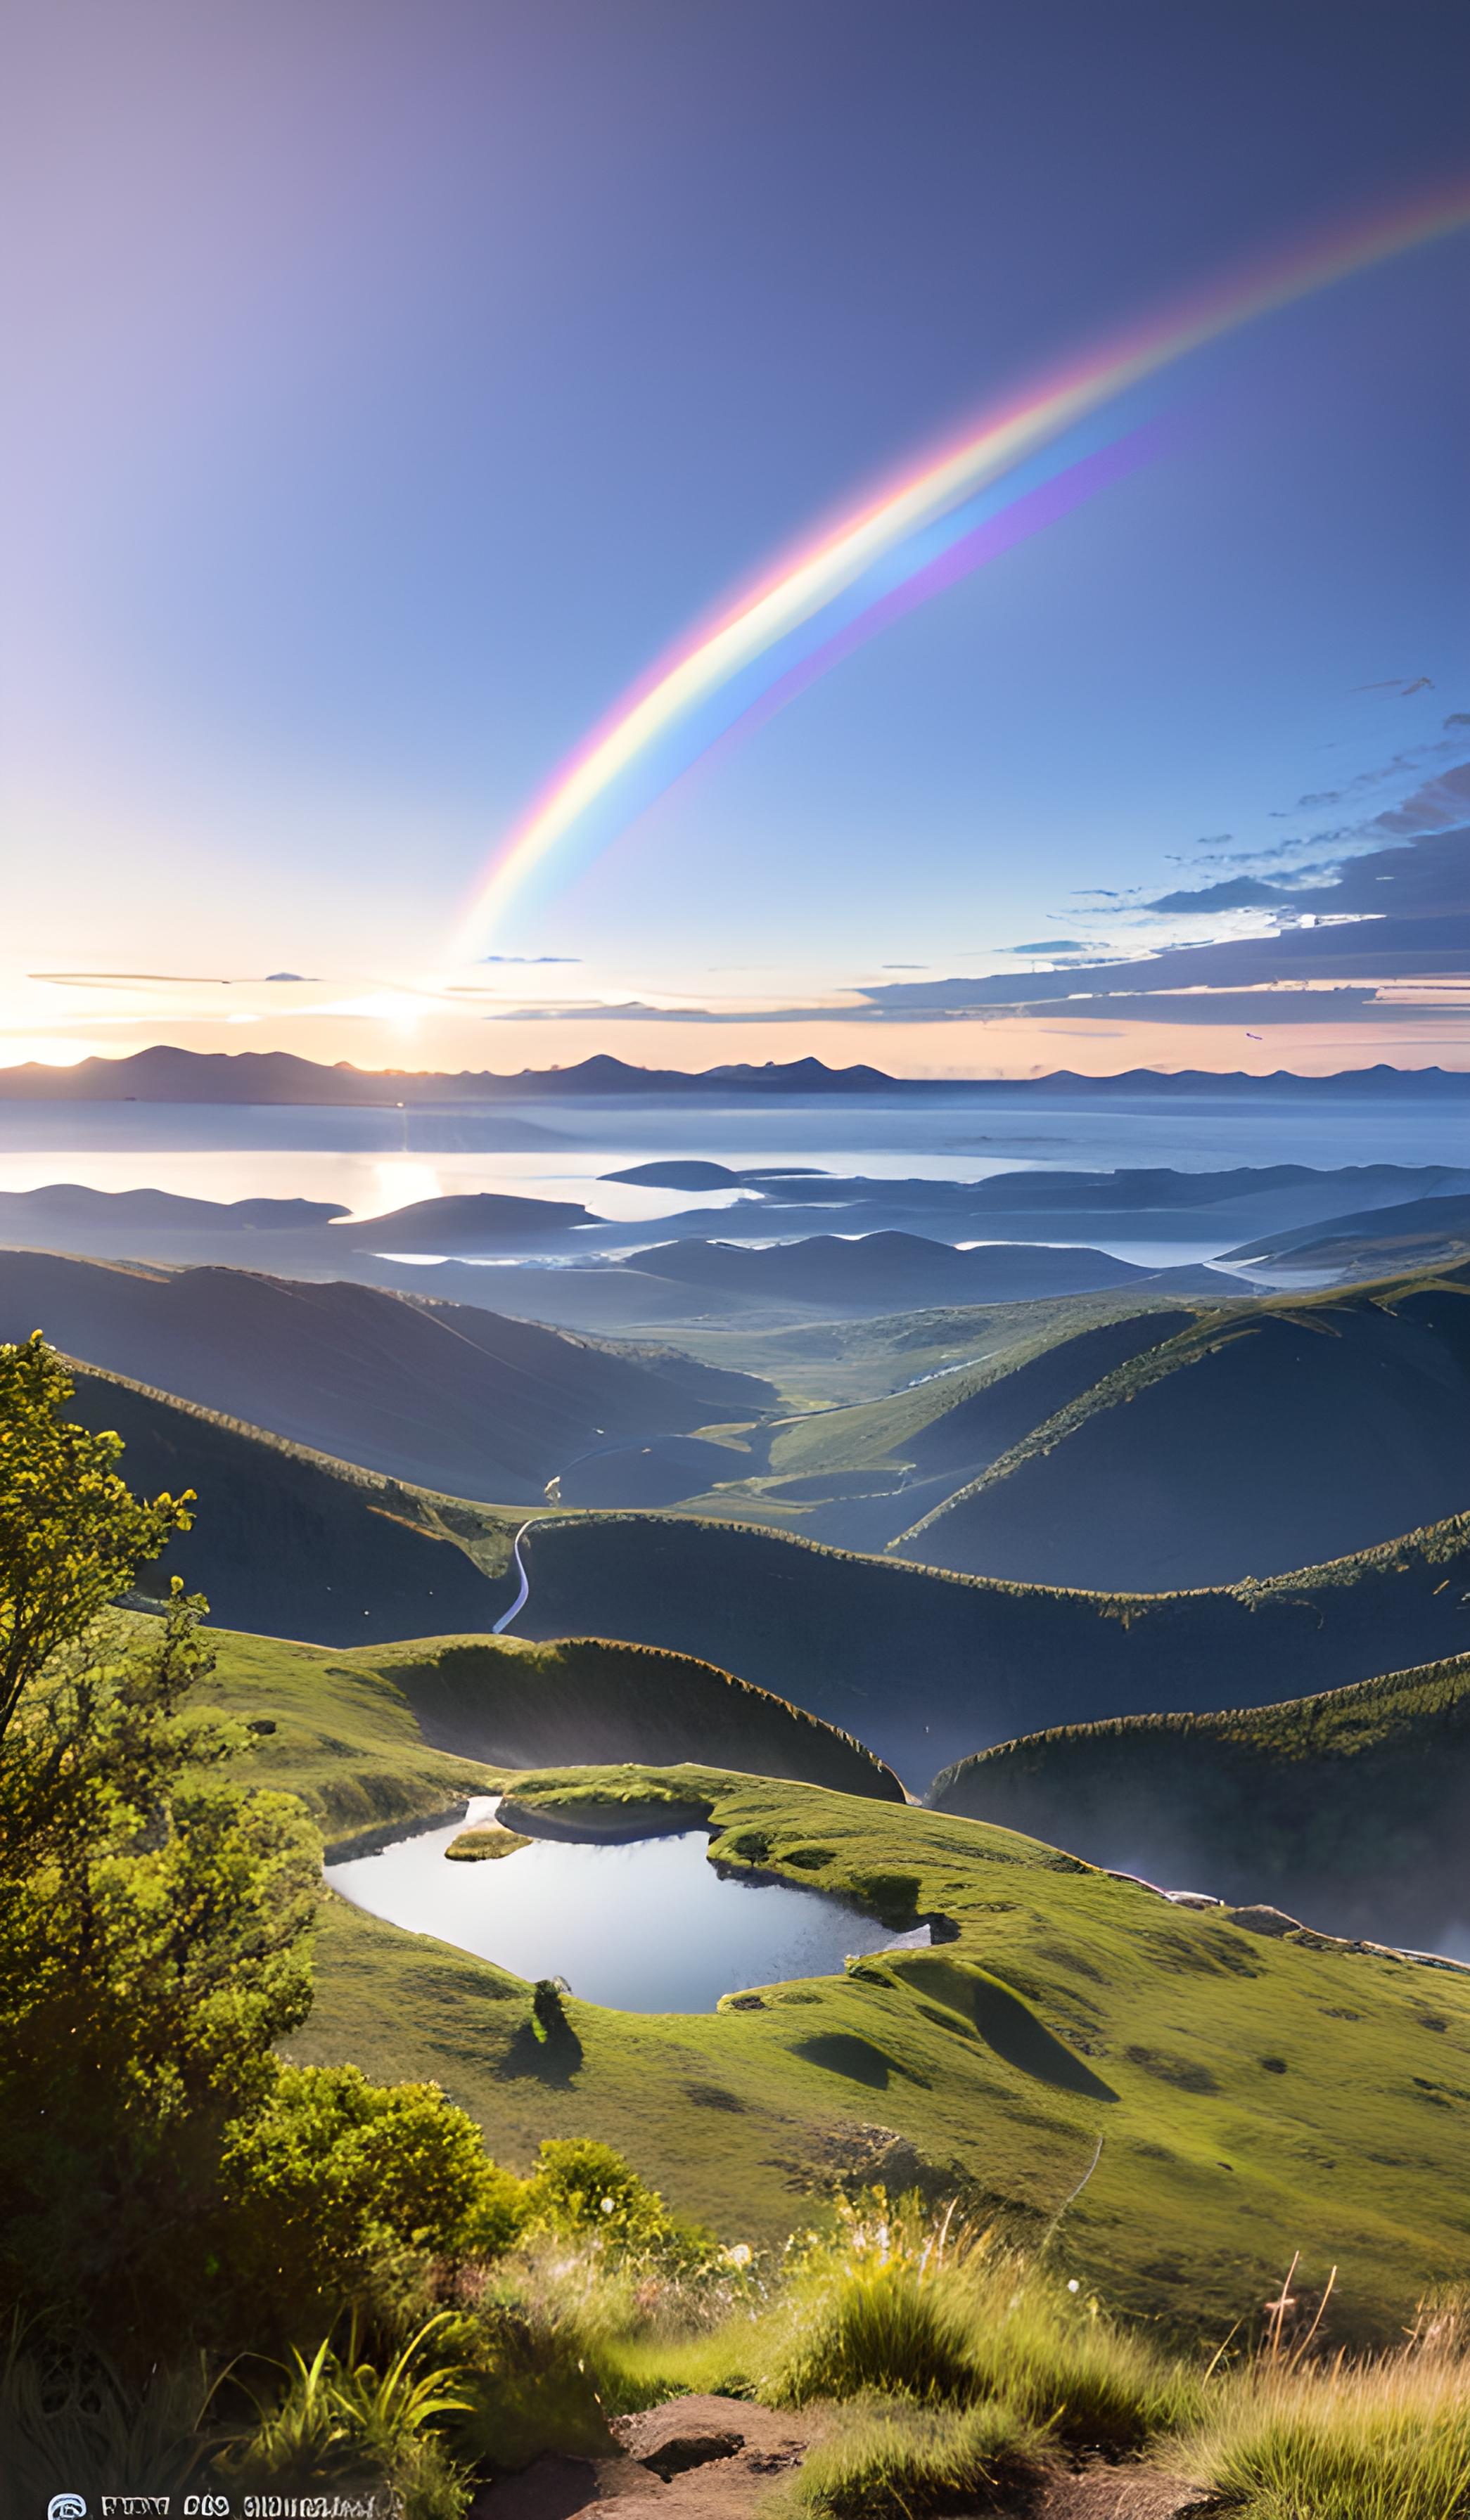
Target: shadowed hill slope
{"points": [[1295, 1430], [284, 1541], [1352, 1808], [1417, 1234], [444, 1394], [926, 1667], [858, 1476], [512, 1703]]}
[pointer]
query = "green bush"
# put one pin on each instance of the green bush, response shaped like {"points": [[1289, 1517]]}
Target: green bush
{"points": [[337, 2174], [584, 2190]]}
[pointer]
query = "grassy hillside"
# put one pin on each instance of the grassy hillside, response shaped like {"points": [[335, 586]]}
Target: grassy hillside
{"points": [[374, 1739], [1253, 2095], [446, 1395], [926, 1667], [1289, 1431], [827, 1364], [1413, 1234], [287, 1541], [857, 1476], [1351, 1809]]}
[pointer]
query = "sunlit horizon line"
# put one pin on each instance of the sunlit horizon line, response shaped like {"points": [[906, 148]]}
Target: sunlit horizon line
{"points": [[806, 579]]}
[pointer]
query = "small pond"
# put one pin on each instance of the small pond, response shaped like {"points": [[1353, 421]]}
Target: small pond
{"points": [[648, 1926]]}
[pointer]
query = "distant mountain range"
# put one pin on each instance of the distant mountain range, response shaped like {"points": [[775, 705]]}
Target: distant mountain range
{"points": [[164, 1074]]}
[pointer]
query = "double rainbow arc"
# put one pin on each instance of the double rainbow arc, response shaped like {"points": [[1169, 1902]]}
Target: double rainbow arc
{"points": [[896, 542]]}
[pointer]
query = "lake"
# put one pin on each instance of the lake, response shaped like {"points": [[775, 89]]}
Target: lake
{"points": [[649, 1926], [373, 1161]]}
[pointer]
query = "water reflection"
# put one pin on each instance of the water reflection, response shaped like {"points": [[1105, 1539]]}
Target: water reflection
{"points": [[648, 1927]]}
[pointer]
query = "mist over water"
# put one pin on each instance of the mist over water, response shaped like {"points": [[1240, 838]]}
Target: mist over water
{"points": [[373, 1161]]}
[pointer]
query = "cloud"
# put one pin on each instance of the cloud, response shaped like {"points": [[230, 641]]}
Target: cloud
{"points": [[531, 958], [1238, 892], [131, 979], [1439, 804], [304, 979], [1457, 717], [1044, 945]]}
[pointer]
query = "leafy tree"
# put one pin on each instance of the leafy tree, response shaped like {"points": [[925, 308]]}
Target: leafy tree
{"points": [[71, 1537], [153, 1917], [154, 1942]]}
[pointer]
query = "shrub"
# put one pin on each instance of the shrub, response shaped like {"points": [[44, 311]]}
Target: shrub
{"points": [[547, 2007], [583, 2189], [337, 2174], [898, 2463]]}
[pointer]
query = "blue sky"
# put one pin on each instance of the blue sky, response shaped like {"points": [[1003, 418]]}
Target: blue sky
{"points": [[399, 379]]}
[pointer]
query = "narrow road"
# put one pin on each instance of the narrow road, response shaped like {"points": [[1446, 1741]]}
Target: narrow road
{"points": [[519, 1604]]}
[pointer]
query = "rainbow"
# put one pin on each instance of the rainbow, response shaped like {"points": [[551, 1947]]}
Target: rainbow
{"points": [[955, 509]]}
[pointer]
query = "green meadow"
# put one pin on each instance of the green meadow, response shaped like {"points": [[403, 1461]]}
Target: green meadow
{"points": [[1252, 2094]]}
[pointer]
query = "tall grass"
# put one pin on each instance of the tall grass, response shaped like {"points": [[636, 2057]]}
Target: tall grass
{"points": [[342, 2418], [1288, 2437], [938, 2310]]}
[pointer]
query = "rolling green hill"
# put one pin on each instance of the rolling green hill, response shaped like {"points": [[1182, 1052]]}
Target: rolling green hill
{"points": [[446, 1395], [923, 1666], [1252, 2095], [1290, 1432], [374, 1740], [926, 1667], [1351, 1809]]}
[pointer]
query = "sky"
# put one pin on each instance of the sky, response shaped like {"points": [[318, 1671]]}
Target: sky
{"points": [[393, 385]]}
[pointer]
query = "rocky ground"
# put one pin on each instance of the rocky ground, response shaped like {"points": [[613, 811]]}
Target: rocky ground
{"points": [[719, 2458]]}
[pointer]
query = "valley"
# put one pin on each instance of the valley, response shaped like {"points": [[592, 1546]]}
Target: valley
{"points": [[863, 1543]]}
